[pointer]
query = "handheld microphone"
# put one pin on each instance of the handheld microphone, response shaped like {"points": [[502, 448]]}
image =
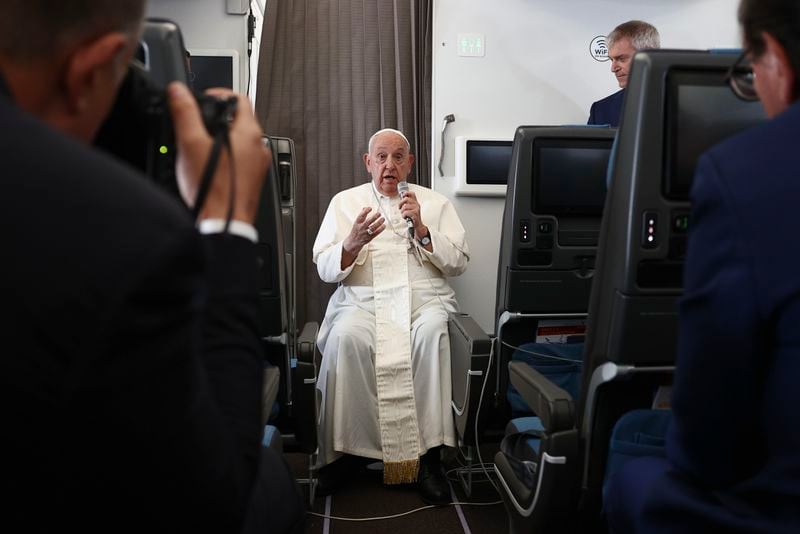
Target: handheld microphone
{"points": [[402, 188]]}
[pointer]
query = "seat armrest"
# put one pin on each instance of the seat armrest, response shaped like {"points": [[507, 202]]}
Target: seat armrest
{"points": [[307, 342], [554, 406]]}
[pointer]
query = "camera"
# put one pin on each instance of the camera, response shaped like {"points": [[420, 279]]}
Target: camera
{"points": [[139, 127]]}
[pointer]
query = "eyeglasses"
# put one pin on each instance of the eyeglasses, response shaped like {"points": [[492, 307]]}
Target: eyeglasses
{"points": [[741, 78]]}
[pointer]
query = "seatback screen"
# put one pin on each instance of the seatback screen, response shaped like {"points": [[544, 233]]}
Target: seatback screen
{"points": [[701, 111], [211, 71], [488, 162], [569, 176]]}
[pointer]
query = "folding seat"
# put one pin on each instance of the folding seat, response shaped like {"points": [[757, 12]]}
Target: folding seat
{"points": [[470, 358], [677, 105]]}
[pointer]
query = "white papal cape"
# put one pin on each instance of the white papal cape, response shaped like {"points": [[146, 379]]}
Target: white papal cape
{"points": [[405, 285]]}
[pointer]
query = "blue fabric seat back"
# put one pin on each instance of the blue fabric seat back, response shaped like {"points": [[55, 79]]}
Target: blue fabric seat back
{"points": [[532, 426]]}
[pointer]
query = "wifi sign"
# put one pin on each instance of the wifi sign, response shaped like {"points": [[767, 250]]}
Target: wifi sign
{"points": [[598, 48]]}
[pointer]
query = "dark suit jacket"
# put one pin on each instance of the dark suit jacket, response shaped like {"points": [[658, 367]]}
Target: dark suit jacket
{"points": [[734, 446], [607, 110], [130, 375]]}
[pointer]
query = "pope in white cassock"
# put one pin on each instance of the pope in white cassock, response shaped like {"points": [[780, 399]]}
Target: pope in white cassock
{"points": [[385, 376]]}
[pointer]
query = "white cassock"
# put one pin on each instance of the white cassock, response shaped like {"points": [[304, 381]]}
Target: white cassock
{"points": [[403, 289]]}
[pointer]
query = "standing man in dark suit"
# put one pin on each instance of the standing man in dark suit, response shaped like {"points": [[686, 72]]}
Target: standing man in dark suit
{"points": [[626, 39], [733, 448], [130, 373]]}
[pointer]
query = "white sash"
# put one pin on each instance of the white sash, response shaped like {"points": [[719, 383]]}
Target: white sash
{"points": [[397, 411]]}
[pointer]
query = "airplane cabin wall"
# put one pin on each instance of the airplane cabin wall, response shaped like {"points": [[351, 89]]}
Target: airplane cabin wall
{"points": [[537, 70], [206, 24]]}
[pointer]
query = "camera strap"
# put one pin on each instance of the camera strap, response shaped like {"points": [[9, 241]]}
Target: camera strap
{"points": [[221, 139]]}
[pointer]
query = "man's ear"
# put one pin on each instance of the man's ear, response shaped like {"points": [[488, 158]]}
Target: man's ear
{"points": [[783, 71], [366, 161], [410, 160], [90, 65]]}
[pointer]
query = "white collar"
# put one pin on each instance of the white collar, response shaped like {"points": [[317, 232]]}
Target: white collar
{"points": [[379, 194]]}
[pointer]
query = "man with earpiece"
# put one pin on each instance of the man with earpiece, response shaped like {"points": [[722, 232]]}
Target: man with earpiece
{"points": [[384, 381]]}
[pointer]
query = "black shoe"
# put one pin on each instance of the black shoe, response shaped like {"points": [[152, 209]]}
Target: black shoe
{"points": [[433, 486], [333, 476]]}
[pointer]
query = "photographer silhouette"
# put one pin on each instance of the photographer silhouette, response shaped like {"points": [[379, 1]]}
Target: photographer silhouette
{"points": [[131, 369]]}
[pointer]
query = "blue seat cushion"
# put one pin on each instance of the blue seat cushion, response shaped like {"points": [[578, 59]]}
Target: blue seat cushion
{"points": [[521, 447], [522, 424], [272, 439], [529, 444]]}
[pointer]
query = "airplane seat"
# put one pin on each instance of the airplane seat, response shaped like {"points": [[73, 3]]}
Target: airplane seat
{"points": [[273, 297], [551, 223], [546, 260], [306, 401], [289, 349], [677, 106]]}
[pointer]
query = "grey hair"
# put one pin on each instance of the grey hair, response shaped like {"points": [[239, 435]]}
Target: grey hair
{"points": [[387, 130], [641, 34]]}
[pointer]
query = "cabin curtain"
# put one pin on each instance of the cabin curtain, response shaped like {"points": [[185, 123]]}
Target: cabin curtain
{"points": [[330, 74]]}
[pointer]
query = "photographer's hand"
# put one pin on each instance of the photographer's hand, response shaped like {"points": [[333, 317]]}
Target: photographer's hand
{"points": [[251, 158]]}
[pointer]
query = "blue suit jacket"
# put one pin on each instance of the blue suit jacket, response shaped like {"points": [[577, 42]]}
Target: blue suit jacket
{"points": [[607, 110], [733, 449]]}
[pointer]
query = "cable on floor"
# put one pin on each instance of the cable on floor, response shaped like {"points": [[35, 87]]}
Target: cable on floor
{"points": [[394, 516]]}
